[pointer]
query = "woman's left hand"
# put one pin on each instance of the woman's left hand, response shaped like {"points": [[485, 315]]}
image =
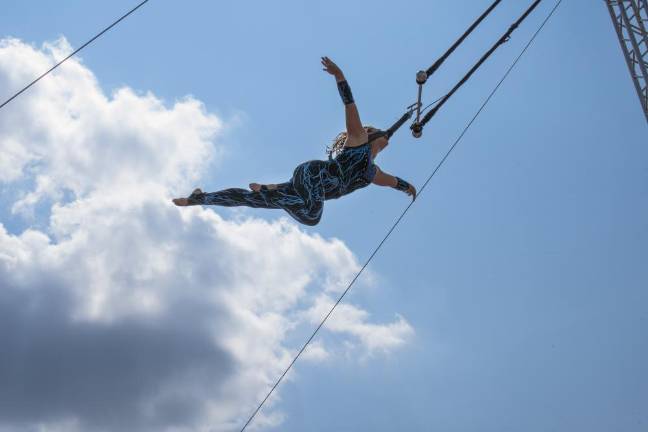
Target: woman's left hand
{"points": [[411, 191]]}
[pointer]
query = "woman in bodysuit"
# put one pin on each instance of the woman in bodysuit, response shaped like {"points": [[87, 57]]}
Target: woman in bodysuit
{"points": [[350, 167]]}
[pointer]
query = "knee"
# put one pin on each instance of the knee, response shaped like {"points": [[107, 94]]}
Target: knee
{"points": [[307, 219], [311, 222], [313, 219]]}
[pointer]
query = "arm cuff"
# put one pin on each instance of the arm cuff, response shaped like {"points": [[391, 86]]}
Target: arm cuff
{"points": [[401, 184], [345, 92]]}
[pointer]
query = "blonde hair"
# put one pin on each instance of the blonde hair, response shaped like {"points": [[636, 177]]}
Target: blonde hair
{"points": [[337, 145]]}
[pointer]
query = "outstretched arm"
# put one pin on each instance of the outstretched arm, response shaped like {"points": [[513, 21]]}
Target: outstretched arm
{"points": [[383, 179], [356, 134]]}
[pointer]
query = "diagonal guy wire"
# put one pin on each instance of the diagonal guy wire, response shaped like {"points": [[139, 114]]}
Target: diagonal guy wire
{"points": [[76, 51], [400, 217]]}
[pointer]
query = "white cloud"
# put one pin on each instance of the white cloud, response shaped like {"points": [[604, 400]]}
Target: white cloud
{"points": [[74, 137], [349, 319], [128, 313]]}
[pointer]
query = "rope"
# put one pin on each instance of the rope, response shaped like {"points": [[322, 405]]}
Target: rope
{"points": [[402, 215], [502, 40], [459, 41], [76, 51]]}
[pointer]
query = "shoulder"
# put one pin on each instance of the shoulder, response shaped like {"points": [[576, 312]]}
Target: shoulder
{"points": [[357, 140]]}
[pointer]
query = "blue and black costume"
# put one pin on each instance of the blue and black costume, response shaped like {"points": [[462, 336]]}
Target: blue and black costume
{"points": [[312, 183]]}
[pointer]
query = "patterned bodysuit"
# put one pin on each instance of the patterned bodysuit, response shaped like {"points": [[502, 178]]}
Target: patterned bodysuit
{"points": [[304, 194]]}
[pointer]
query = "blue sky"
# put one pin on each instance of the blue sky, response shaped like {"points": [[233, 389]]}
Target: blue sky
{"points": [[521, 268]]}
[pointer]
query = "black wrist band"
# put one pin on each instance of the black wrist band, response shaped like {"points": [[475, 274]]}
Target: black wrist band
{"points": [[345, 92], [401, 185]]}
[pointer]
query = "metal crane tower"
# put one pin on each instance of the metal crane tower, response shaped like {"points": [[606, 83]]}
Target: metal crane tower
{"points": [[630, 19]]}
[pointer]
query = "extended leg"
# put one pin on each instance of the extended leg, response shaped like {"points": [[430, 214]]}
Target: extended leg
{"points": [[284, 196], [233, 197], [307, 182]]}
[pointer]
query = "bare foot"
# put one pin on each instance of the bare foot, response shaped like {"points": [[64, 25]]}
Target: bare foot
{"points": [[181, 202]]}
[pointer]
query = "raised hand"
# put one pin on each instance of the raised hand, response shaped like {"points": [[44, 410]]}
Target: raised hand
{"points": [[331, 67]]}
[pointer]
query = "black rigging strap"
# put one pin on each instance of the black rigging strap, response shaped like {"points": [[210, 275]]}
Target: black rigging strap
{"points": [[423, 75], [417, 127], [441, 59], [401, 121]]}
